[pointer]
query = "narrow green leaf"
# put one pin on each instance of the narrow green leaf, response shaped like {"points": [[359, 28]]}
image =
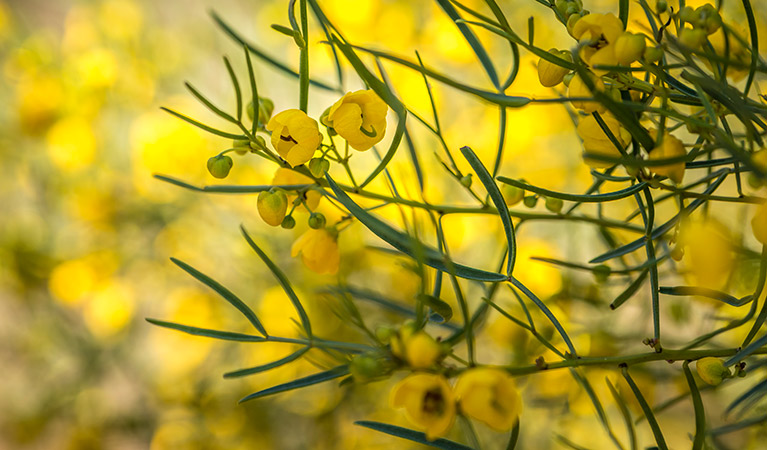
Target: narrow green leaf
{"points": [[287, 31], [405, 244], [625, 412], [512, 444], [272, 365], [530, 30], [437, 305], [205, 332], [659, 439], [700, 413], [547, 312], [473, 41], [623, 12], [236, 84], [500, 204], [316, 378], [303, 67], [601, 414], [223, 292], [263, 56], [283, 280], [215, 109], [595, 198], [253, 90], [749, 349], [706, 292], [754, 33], [411, 435], [630, 290], [203, 126]]}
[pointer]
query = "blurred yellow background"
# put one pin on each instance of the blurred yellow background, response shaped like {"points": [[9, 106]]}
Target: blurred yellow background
{"points": [[86, 231]]}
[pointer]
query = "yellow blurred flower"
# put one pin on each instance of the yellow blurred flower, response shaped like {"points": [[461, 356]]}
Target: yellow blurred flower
{"points": [[490, 396], [360, 118], [578, 89], [110, 309], [421, 351], [595, 140], [319, 250], [668, 147], [759, 224], [735, 51], [708, 252], [295, 136], [428, 401], [121, 19], [598, 33], [287, 177], [38, 101]]}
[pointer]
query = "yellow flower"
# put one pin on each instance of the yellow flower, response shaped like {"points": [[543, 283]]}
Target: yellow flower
{"points": [[287, 177], [490, 396], [629, 47], [735, 51], [295, 136], [709, 256], [360, 118], [596, 141], [417, 348], [598, 32], [319, 251], [550, 74], [428, 401], [578, 89], [759, 224], [668, 147]]}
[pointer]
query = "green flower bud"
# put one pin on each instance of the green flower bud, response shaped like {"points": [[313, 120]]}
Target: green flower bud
{"points": [[652, 54], [677, 253], [220, 165], [692, 37], [601, 272], [561, 6], [687, 14], [265, 109], [530, 201], [712, 370], [288, 222], [317, 221], [755, 181], [272, 206], [708, 18], [241, 146], [368, 366], [249, 110], [258, 144], [661, 6], [385, 333], [554, 204], [318, 167], [512, 194], [466, 180]]}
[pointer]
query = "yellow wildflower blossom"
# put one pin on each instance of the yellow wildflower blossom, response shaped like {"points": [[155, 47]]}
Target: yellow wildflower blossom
{"points": [[759, 224], [598, 32], [360, 118], [295, 136], [490, 396], [668, 147], [319, 251], [428, 401]]}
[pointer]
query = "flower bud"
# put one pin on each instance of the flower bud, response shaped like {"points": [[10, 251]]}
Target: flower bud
{"points": [[316, 221], [422, 351], [601, 272], [265, 109], [708, 18], [259, 143], [220, 165], [530, 201], [288, 222], [661, 6], [629, 47], [368, 366], [652, 54], [677, 253], [272, 206], [571, 21], [554, 204], [241, 145], [318, 167], [550, 74], [385, 333], [687, 14], [512, 194], [692, 37], [712, 370], [466, 181]]}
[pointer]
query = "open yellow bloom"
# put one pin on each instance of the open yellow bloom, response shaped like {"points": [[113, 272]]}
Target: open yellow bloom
{"points": [[287, 177], [668, 147], [596, 141], [600, 31], [319, 251], [295, 136], [360, 118], [428, 401], [490, 396], [759, 224]]}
